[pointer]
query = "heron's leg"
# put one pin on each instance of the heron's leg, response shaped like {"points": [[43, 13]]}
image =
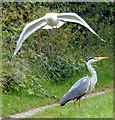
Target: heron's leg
{"points": [[79, 103], [74, 104]]}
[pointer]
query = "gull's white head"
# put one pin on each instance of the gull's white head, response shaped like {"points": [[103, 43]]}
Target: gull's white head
{"points": [[51, 19]]}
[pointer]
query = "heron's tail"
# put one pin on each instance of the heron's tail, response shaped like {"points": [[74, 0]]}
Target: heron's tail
{"points": [[66, 98], [62, 102]]}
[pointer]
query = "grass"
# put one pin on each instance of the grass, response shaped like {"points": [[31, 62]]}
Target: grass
{"points": [[96, 107], [14, 103], [17, 102]]}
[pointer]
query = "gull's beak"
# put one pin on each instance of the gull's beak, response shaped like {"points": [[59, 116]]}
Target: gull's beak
{"points": [[101, 58]]}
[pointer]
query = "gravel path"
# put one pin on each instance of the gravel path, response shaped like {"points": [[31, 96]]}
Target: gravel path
{"points": [[32, 111], [35, 110]]}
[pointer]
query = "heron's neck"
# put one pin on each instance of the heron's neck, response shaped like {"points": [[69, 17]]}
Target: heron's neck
{"points": [[92, 71]]}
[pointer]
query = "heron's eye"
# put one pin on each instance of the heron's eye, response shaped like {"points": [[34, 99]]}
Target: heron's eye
{"points": [[91, 58]]}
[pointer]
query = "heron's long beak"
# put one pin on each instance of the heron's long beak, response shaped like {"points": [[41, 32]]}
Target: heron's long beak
{"points": [[101, 58]]}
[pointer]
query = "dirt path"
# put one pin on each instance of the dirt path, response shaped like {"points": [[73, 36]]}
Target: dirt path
{"points": [[35, 110]]}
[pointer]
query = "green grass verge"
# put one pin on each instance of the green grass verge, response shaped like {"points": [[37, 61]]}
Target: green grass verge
{"points": [[100, 106], [17, 102], [14, 103]]}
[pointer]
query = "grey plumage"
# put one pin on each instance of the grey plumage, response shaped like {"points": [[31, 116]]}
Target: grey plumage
{"points": [[82, 86], [79, 89]]}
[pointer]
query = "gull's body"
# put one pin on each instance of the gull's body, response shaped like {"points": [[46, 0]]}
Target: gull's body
{"points": [[82, 86], [50, 21]]}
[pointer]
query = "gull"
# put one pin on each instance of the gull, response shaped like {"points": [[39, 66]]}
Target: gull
{"points": [[50, 21]]}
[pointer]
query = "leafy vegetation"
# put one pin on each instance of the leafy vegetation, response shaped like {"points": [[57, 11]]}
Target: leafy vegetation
{"points": [[55, 56]]}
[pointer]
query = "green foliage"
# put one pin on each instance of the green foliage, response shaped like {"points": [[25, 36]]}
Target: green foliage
{"points": [[53, 55], [58, 67], [19, 81]]}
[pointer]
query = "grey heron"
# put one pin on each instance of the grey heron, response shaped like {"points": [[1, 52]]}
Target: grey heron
{"points": [[82, 86], [50, 21]]}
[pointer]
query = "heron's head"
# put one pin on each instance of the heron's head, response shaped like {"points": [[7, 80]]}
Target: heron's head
{"points": [[95, 59]]}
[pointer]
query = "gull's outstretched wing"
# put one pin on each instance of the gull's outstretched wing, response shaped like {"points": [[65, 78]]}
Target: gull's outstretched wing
{"points": [[27, 31], [73, 17]]}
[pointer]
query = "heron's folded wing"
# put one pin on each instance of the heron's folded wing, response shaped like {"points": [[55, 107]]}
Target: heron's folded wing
{"points": [[73, 17], [82, 81], [77, 90], [28, 30]]}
